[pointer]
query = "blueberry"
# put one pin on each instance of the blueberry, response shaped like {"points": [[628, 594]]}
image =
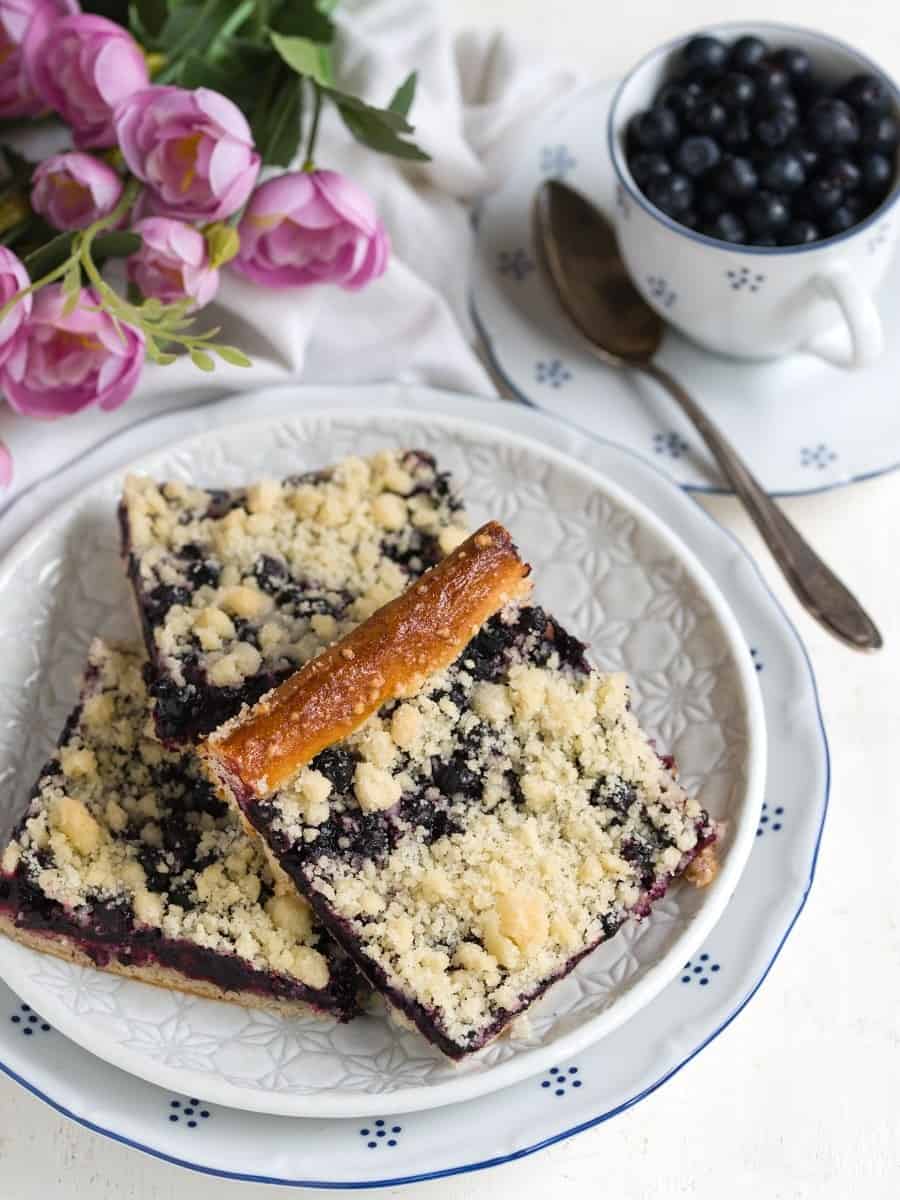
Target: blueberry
{"points": [[766, 212], [736, 176], [795, 61], [770, 79], [881, 133], [764, 239], [735, 90], [648, 165], [782, 171], [877, 172], [679, 97], [781, 101], [338, 766], [711, 204], [655, 129], [704, 54], [696, 155], [807, 153], [840, 219], [799, 232], [674, 193], [708, 117], [867, 94], [727, 228], [455, 778], [690, 218], [736, 134], [844, 172], [824, 194], [775, 128], [203, 573], [833, 124], [271, 574], [747, 52]]}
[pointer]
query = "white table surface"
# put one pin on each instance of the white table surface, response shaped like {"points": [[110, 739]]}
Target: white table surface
{"points": [[800, 1097]]}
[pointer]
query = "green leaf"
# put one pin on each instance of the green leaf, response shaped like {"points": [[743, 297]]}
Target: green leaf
{"points": [[202, 360], [231, 354], [402, 99], [49, 256], [119, 244], [305, 57], [304, 18], [164, 360], [277, 132], [391, 120], [368, 128], [71, 282], [147, 17]]}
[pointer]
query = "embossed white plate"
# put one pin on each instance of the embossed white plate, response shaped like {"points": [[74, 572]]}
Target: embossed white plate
{"points": [[802, 425], [579, 1091], [603, 563]]}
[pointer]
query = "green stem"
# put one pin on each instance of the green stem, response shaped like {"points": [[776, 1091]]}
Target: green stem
{"points": [[309, 164]]}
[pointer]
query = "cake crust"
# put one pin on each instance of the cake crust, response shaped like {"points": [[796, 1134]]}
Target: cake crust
{"points": [[387, 657]]}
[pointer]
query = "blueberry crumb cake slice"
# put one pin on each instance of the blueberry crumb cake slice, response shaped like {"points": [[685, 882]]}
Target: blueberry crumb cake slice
{"points": [[125, 859], [236, 589], [468, 806]]}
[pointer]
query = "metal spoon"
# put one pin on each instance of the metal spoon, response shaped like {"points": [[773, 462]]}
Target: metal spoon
{"points": [[581, 255]]}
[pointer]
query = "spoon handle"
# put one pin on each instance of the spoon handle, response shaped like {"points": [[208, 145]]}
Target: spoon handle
{"points": [[816, 586]]}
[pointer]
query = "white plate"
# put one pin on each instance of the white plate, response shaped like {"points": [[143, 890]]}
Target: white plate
{"points": [[603, 563], [614, 1073], [803, 426]]}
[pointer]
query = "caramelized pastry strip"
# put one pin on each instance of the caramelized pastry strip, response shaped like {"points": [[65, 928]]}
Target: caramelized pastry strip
{"points": [[388, 656]]}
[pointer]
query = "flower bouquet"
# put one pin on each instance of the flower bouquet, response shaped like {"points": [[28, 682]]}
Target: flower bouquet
{"points": [[174, 109]]}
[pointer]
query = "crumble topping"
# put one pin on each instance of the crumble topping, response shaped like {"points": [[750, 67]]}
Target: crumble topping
{"points": [[256, 581], [478, 837], [117, 819]]}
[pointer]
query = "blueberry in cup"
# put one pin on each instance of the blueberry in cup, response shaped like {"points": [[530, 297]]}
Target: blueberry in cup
{"points": [[752, 146]]}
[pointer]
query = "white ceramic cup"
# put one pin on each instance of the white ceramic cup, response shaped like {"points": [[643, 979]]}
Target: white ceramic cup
{"points": [[755, 302]]}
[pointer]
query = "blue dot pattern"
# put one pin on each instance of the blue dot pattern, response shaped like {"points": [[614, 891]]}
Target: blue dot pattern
{"points": [[188, 1111], [770, 820], [28, 1021], [701, 971], [560, 1079], [380, 1134]]}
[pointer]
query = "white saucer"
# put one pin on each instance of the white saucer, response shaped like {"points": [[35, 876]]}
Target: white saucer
{"points": [[803, 426], [578, 1092]]}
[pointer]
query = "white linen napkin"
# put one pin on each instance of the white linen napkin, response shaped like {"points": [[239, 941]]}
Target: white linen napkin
{"points": [[476, 93]]}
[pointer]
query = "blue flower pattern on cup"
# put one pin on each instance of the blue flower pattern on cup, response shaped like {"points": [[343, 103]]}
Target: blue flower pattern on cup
{"points": [[557, 161], [516, 263], [700, 971], [380, 1134], [770, 819], [757, 661], [622, 203], [660, 291], [552, 372], [28, 1021], [561, 1078], [671, 444], [188, 1111], [742, 279], [819, 456]]}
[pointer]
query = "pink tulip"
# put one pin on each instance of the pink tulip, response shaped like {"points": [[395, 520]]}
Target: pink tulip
{"points": [[71, 191], [62, 363], [22, 20], [194, 150], [173, 263], [83, 68], [312, 227], [13, 279]]}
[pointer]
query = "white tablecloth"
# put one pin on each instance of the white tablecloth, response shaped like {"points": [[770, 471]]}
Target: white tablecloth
{"points": [[798, 1099]]}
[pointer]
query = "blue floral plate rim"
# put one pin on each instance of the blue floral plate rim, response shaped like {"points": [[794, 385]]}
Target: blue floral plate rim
{"points": [[528, 421]]}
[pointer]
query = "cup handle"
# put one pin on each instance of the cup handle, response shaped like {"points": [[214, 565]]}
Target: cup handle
{"points": [[861, 317]]}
